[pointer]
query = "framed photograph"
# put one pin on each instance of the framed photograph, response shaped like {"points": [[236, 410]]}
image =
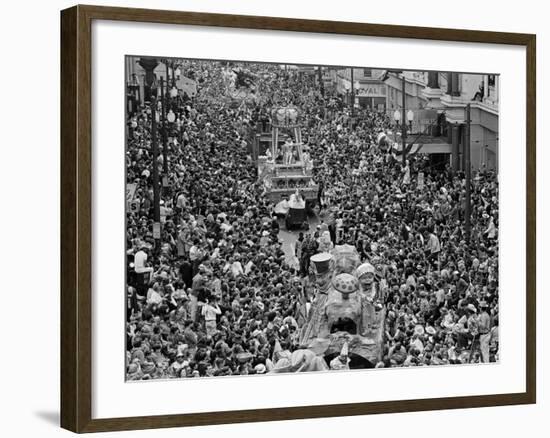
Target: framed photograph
{"points": [[269, 219]]}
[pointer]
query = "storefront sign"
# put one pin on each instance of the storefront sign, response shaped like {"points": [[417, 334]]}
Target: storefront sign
{"points": [[423, 119], [130, 193], [372, 90], [420, 181], [156, 230]]}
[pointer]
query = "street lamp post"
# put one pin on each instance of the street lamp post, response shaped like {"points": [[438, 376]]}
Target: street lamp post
{"points": [[149, 65], [156, 188], [403, 118], [320, 77], [352, 94], [164, 140], [410, 118], [468, 175]]}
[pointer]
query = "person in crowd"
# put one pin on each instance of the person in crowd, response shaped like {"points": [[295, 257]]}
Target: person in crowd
{"points": [[210, 312]]}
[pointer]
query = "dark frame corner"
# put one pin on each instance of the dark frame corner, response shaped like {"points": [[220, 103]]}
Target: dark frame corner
{"points": [[76, 222]]}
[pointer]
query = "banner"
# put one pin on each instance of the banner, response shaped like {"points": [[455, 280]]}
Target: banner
{"points": [[420, 182], [132, 204], [130, 192], [186, 85]]}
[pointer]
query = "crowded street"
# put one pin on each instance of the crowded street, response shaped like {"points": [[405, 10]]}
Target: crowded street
{"points": [[223, 280]]}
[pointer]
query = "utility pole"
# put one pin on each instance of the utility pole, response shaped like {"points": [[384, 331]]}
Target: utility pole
{"points": [[156, 188], [163, 99], [320, 77], [167, 75], [468, 205], [352, 94], [403, 119]]}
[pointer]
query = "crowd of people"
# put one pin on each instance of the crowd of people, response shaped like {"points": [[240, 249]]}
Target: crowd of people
{"points": [[217, 295]]}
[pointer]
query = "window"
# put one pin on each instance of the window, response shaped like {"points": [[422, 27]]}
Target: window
{"points": [[433, 79], [453, 84], [491, 80], [367, 72]]}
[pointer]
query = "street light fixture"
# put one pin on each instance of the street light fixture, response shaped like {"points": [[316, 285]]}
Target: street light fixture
{"points": [[397, 116], [171, 117], [410, 118]]}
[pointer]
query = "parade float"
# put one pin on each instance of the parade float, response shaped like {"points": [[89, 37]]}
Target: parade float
{"points": [[286, 169], [347, 311]]}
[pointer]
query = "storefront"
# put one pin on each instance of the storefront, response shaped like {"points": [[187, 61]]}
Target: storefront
{"points": [[372, 96]]}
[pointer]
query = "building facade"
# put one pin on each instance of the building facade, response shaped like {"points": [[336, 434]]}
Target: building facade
{"points": [[449, 94], [365, 86], [438, 101], [415, 83], [381, 90]]}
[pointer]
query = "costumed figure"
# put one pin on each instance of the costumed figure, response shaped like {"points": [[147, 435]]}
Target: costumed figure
{"points": [[321, 269], [325, 243], [296, 200], [287, 152], [269, 155], [302, 360], [341, 362], [365, 273], [372, 308]]}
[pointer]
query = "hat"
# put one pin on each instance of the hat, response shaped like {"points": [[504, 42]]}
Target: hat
{"points": [[472, 308], [483, 303], [345, 284], [419, 330], [345, 348], [260, 368], [363, 269], [243, 357], [148, 367], [430, 330], [181, 349], [321, 262]]}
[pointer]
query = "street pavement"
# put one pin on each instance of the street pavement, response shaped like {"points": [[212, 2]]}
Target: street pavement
{"points": [[289, 238]]}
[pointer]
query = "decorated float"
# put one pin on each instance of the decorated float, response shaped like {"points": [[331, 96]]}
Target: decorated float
{"points": [[347, 311], [286, 169]]}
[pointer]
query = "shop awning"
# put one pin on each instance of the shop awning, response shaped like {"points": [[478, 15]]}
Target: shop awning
{"points": [[432, 148]]}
